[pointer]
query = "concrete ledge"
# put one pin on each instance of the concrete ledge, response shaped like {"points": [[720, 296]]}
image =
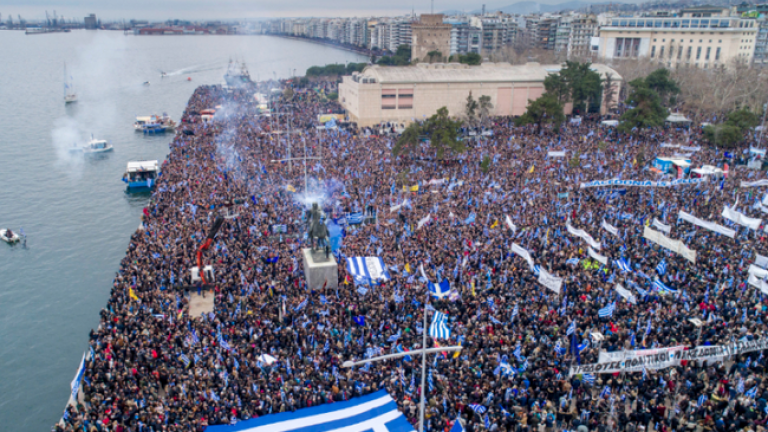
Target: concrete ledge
{"points": [[199, 305]]}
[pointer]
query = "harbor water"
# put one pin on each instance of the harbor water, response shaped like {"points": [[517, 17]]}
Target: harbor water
{"points": [[74, 210]]}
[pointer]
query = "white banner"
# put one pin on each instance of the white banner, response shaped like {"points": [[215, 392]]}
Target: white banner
{"points": [[761, 261], [765, 200], [758, 283], [627, 294], [754, 183], [603, 260], [757, 271], [759, 206], [741, 218], [610, 228], [668, 145], [560, 153], [510, 224], [690, 149], [436, 181], [658, 224], [606, 357], [641, 183], [423, 220], [516, 248], [708, 225], [583, 234], [550, 281], [398, 207], [674, 245]]}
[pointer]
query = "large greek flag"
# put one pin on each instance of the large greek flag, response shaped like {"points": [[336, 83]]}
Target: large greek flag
{"points": [[439, 329], [375, 412], [367, 270]]}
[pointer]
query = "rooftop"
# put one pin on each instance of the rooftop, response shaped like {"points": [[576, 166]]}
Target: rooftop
{"points": [[456, 72]]}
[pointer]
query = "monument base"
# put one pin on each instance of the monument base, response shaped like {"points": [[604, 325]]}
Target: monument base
{"points": [[318, 272]]}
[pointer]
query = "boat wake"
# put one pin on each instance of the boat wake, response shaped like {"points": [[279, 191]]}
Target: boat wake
{"points": [[194, 69]]}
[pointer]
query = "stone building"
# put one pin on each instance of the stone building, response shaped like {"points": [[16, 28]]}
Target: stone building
{"points": [[430, 34]]}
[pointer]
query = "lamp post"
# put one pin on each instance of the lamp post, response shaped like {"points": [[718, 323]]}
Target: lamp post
{"points": [[423, 351]]}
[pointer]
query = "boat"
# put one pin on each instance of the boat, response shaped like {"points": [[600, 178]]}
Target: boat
{"points": [[237, 75], [146, 83], [9, 236], [94, 146], [154, 124], [69, 89], [141, 175]]}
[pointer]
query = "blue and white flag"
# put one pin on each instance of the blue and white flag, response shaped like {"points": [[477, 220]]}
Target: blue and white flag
{"points": [[623, 265], [439, 329], [751, 393], [376, 411], [659, 285], [606, 392], [439, 290], [571, 328], [703, 398], [589, 379], [661, 268], [355, 218], [367, 270], [457, 427], [607, 311], [480, 409], [75, 385]]}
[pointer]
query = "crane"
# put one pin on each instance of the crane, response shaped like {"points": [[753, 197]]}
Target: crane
{"points": [[47, 19], [217, 223]]}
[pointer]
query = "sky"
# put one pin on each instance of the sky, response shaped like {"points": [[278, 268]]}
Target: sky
{"points": [[160, 10]]}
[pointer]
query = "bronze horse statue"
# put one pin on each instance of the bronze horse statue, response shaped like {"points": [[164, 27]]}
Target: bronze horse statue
{"points": [[317, 232]]}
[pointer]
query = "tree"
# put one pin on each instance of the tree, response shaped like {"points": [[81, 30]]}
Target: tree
{"points": [[609, 92], [443, 134], [545, 109], [288, 93], [584, 84], [472, 59], [660, 82], [471, 107], [485, 107], [485, 165], [434, 56], [647, 110], [556, 85], [723, 135], [402, 57], [408, 141], [743, 119]]}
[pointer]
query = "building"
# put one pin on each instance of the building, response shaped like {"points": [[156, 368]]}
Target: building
{"points": [[699, 37], [428, 35], [90, 22], [401, 94], [583, 29], [464, 38], [399, 34], [496, 32]]}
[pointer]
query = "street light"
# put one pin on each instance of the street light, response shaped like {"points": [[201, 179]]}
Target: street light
{"points": [[423, 351]]}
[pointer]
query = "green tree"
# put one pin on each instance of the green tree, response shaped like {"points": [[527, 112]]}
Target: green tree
{"points": [[660, 82], [723, 135], [556, 86], [743, 119], [408, 141], [471, 107], [545, 109], [472, 59], [485, 165], [584, 84], [609, 91], [647, 109], [485, 107], [443, 133], [332, 96], [402, 57], [434, 56]]}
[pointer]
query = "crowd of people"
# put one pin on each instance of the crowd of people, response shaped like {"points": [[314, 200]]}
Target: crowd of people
{"points": [[154, 367]]}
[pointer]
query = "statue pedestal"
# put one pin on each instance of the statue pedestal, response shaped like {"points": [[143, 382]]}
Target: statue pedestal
{"points": [[318, 271]]}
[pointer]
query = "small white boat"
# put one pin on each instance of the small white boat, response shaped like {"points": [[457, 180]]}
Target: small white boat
{"points": [[9, 236], [94, 146], [141, 175], [154, 124]]}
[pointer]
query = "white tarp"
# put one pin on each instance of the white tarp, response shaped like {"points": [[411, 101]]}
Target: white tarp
{"points": [[583, 234], [641, 183], [560, 153], [627, 294], [398, 207], [741, 218], [761, 273], [602, 259], [759, 206], [606, 357], [550, 281], [665, 228], [423, 220], [610, 228], [761, 261], [516, 248], [708, 225], [510, 224], [758, 283], [674, 245], [754, 183]]}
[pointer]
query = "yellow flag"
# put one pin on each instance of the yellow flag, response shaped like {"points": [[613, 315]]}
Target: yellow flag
{"points": [[495, 224], [456, 354], [291, 188], [532, 167], [132, 294], [407, 267], [405, 188], [473, 289], [415, 188]]}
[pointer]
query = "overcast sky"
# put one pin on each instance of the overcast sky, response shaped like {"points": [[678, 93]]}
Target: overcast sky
{"points": [[233, 9]]}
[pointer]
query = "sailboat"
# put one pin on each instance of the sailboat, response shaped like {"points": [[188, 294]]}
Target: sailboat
{"points": [[69, 89]]}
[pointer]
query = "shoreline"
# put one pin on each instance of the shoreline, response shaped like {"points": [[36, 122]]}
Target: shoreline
{"points": [[360, 51]]}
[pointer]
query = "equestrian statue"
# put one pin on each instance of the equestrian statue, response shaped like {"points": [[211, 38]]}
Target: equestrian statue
{"points": [[317, 232]]}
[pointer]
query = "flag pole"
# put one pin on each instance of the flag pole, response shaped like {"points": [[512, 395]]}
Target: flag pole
{"points": [[423, 366]]}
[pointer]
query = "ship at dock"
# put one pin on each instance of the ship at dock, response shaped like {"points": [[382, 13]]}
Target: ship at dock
{"points": [[237, 75]]}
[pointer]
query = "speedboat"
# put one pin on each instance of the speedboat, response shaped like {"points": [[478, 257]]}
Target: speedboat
{"points": [[97, 146], [141, 175], [9, 236]]}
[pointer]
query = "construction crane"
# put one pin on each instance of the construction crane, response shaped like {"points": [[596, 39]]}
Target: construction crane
{"points": [[47, 19]]}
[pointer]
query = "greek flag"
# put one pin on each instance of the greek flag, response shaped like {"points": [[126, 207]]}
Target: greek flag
{"points": [[355, 218], [661, 269], [300, 306], [430, 382], [514, 313], [607, 311], [367, 270], [574, 261], [185, 359], [75, 385], [376, 411], [457, 427], [740, 386], [438, 329], [440, 290], [606, 392], [752, 393], [623, 265], [480, 409], [703, 398], [589, 379], [571, 328], [659, 285]]}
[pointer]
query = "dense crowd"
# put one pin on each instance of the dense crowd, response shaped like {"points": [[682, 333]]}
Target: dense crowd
{"points": [[153, 367]]}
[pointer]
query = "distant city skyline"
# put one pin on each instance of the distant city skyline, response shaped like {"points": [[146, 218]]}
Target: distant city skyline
{"points": [[107, 10]]}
